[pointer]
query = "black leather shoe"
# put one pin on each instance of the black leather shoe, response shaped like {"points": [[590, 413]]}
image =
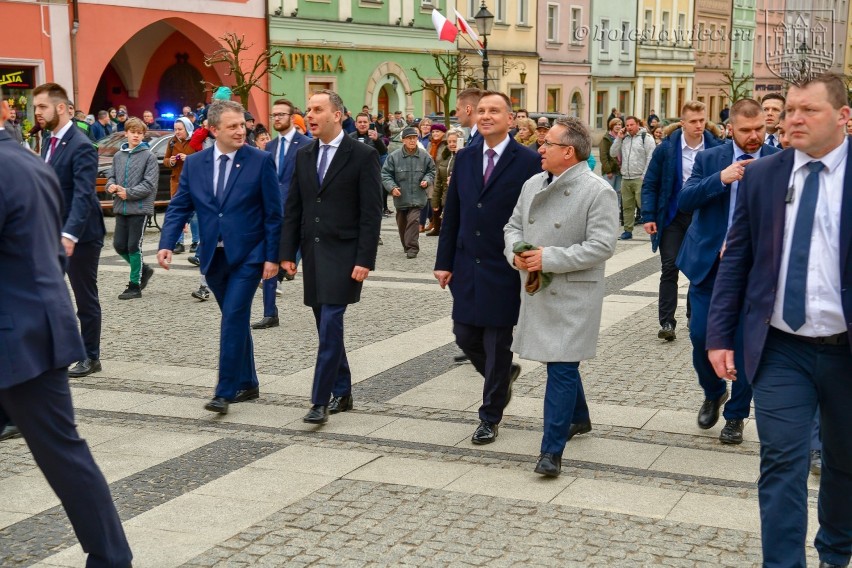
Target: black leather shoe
{"points": [[84, 368], [266, 323], [514, 373], [340, 404], [827, 565], [317, 415], [247, 394], [217, 404], [179, 249], [708, 414], [485, 433], [667, 332], [461, 358], [549, 465], [193, 248], [578, 428], [732, 433], [816, 461], [147, 273], [194, 260], [9, 431]]}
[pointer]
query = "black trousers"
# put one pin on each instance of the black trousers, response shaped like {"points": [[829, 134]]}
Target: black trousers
{"points": [[41, 409], [490, 351], [129, 231], [83, 274], [670, 242]]}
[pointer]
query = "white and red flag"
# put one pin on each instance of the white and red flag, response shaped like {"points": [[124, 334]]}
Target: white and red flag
{"points": [[466, 29], [446, 30]]}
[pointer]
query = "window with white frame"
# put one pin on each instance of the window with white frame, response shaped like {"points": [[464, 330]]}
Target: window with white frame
{"points": [[712, 38], [681, 28], [604, 35], [523, 9], [699, 40], [649, 21], [576, 22], [723, 32], [471, 9], [665, 26], [625, 37], [500, 11], [554, 99], [553, 22]]}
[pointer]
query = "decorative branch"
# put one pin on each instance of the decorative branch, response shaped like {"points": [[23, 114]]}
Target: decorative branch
{"points": [[230, 55]]}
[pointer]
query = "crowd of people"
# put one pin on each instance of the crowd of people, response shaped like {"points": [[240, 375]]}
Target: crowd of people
{"points": [[757, 215]]}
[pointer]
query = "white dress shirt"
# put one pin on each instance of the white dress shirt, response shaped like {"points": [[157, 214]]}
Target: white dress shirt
{"points": [[499, 148], [287, 140], [736, 184], [332, 150], [687, 159], [823, 307], [59, 135], [228, 167]]}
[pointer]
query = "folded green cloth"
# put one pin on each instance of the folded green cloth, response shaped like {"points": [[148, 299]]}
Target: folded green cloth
{"points": [[535, 280]]}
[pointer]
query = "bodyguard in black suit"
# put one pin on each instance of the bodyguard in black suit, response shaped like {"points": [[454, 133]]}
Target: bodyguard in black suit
{"points": [[486, 183], [334, 213], [38, 340], [71, 155]]}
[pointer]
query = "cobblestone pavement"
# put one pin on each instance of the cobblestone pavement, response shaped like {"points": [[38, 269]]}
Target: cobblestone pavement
{"points": [[396, 481]]}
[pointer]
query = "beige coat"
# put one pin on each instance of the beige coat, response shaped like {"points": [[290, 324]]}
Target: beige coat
{"points": [[576, 219]]}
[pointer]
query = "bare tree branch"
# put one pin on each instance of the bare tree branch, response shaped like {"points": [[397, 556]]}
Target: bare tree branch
{"points": [[244, 81]]}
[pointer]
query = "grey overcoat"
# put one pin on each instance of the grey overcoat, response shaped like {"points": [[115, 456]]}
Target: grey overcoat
{"points": [[575, 219]]}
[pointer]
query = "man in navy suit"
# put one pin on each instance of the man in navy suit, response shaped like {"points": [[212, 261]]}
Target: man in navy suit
{"points": [[234, 190], [334, 214], [71, 155], [485, 186], [284, 149], [709, 195], [39, 333], [787, 271], [466, 104]]}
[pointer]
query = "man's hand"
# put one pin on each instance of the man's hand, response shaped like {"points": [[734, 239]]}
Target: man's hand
{"points": [[164, 258], [424, 184], [359, 273], [69, 246], [372, 134], [443, 277], [723, 363], [650, 228], [396, 192], [289, 267], [112, 188], [533, 259], [270, 269], [121, 192], [520, 262], [734, 172]]}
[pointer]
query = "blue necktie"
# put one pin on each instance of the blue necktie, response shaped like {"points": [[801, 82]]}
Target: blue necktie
{"points": [[282, 144], [800, 249], [771, 140], [220, 183], [322, 164]]}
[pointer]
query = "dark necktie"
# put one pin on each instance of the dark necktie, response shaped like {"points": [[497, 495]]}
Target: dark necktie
{"points": [[322, 164], [53, 142], [771, 140], [745, 157], [489, 167], [282, 152], [800, 249], [220, 183]]}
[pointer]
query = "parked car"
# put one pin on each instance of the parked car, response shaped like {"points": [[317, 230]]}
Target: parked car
{"points": [[158, 140]]}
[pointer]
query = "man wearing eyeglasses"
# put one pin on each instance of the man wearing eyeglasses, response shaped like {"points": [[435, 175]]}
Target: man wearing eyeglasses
{"points": [[284, 149], [563, 275]]}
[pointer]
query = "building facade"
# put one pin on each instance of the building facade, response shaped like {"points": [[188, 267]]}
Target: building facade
{"points": [[767, 57], [612, 41], [712, 44], [565, 68], [665, 63], [743, 39]]}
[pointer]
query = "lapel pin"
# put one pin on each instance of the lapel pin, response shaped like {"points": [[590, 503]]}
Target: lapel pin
{"points": [[237, 165]]}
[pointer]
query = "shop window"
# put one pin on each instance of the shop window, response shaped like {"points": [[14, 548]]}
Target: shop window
{"points": [[518, 96], [554, 99]]}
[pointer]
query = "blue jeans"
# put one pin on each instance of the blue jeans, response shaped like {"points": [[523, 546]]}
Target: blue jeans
{"points": [[193, 227], [564, 403]]}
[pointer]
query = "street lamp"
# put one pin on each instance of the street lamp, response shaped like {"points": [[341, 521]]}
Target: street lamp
{"points": [[484, 22]]}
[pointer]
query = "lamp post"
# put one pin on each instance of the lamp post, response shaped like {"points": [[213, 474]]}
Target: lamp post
{"points": [[484, 21]]}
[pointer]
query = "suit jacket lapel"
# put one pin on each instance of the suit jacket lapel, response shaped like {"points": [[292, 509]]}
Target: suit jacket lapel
{"points": [[779, 205], [502, 163], [846, 209], [207, 186], [239, 159], [725, 160], [341, 156]]}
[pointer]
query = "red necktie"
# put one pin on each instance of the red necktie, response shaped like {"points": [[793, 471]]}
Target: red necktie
{"points": [[53, 142]]}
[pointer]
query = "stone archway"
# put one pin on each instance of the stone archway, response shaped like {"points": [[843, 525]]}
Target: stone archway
{"points": [[398, 87], [575, 104]]}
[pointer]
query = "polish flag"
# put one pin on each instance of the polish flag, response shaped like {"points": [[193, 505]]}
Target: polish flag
{"points": [[446, 30], [466, 29]]}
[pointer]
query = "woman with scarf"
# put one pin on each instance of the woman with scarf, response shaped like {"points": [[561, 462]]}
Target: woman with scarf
{"points": [[444, 159]]}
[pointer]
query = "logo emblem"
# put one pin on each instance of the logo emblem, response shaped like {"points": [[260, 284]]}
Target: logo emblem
{"points": [[799, 44]]}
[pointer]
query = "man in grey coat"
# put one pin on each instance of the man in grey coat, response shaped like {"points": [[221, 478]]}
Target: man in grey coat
{"points": [[406, 175], [576, 223]]}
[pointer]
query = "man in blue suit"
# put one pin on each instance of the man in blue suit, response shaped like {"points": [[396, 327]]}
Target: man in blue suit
{"points": [[284, 149], [787, 272], [670, 167], [39, 333], [71, 155], [234, 190], [709, 195], [485, 186]]}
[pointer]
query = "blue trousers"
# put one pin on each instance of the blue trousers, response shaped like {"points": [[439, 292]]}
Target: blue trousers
{"points": [[269, 287], [331, 374], [193, 227], [490, 351], [234, 288], [564, 403], [41, 408], [792, 379], [738, 406]]}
